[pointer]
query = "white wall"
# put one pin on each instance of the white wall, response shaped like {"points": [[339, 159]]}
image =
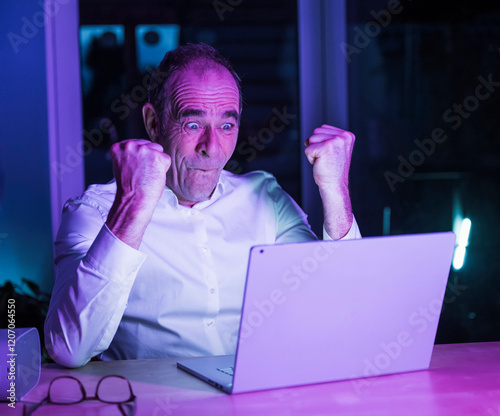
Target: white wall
{"points": [[30, 134]]}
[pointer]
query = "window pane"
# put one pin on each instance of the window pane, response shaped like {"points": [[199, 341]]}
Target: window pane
{"points": [[259, 38]]}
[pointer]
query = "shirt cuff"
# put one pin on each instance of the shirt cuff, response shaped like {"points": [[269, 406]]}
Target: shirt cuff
{"points": [[351, 235], [113, 258]]}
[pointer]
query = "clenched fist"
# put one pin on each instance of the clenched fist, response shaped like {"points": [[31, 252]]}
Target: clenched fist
{"points": [[329, 150], [140, 168]]}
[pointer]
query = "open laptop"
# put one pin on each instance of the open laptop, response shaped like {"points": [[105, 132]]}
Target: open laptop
{"points": [[322, 311]]}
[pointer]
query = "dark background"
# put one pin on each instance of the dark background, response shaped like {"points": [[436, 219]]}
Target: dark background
{"points": [[402, 87], [259, 38], [404, 77]]}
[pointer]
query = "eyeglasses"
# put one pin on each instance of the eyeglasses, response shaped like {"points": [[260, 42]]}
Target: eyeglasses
{"points": [[68, 390]]}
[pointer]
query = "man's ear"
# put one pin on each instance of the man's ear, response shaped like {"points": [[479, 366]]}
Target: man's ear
{"points": [[151, 121]]}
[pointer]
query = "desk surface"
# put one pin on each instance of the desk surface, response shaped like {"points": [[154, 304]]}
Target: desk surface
{"points": [[463, 379]]}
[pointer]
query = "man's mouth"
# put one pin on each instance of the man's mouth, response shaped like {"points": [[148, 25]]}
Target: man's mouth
{"points": [[204, 169]]}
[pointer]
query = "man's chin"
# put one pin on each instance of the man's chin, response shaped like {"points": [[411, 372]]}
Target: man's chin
{"points": [[194, 196]]}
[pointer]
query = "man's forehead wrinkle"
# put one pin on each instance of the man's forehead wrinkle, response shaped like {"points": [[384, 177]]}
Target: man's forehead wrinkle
{"points": [[187, 86], [201, 87], [197, 75], [183, 99], [202, 101]]}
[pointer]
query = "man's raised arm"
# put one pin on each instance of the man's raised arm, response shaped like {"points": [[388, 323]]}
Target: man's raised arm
{"points": [[97, 262], [140, 168], [329, 150]]}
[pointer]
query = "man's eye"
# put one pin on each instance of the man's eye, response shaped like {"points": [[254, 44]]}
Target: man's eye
{"points": [[226, 126], [192, 125]]}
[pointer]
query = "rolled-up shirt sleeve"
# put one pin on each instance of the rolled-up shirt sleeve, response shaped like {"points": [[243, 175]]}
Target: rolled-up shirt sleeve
{"points": [[94, 273]]}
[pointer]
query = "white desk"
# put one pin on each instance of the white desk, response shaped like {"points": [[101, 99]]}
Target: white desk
{"points": [[464, 379]]}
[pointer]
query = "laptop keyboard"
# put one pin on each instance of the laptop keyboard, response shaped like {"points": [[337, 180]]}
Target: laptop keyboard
{"points": [[229, 371]]}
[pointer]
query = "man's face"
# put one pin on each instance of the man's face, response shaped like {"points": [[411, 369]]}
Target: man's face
{"points": [[200, 129]]}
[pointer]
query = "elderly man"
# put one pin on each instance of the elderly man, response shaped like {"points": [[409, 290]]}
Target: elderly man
{"points": [[153, 264]]}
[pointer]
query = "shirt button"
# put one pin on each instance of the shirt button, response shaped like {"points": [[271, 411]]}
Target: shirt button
{"points": [[212, 291], [204, 249], [210, 323]]}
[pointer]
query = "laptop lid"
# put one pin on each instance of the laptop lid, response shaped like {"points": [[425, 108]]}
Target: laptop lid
{"points": [[331, 310]]}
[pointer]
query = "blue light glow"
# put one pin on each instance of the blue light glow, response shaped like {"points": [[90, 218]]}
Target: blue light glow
{"points": [[462, 243]]}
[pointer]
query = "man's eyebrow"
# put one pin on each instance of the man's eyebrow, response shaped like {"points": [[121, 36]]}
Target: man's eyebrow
{"points": [[231, 113], [193, 112], [190, 112]]}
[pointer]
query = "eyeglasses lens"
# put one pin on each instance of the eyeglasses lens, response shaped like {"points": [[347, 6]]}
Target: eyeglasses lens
{"points": [[114, 390], [65, 391]]}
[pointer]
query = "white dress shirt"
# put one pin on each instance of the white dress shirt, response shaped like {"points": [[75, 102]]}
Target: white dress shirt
{"points": [[181, 293]]}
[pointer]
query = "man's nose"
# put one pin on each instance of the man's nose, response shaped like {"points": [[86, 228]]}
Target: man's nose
{"points": [[208, 143]]}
